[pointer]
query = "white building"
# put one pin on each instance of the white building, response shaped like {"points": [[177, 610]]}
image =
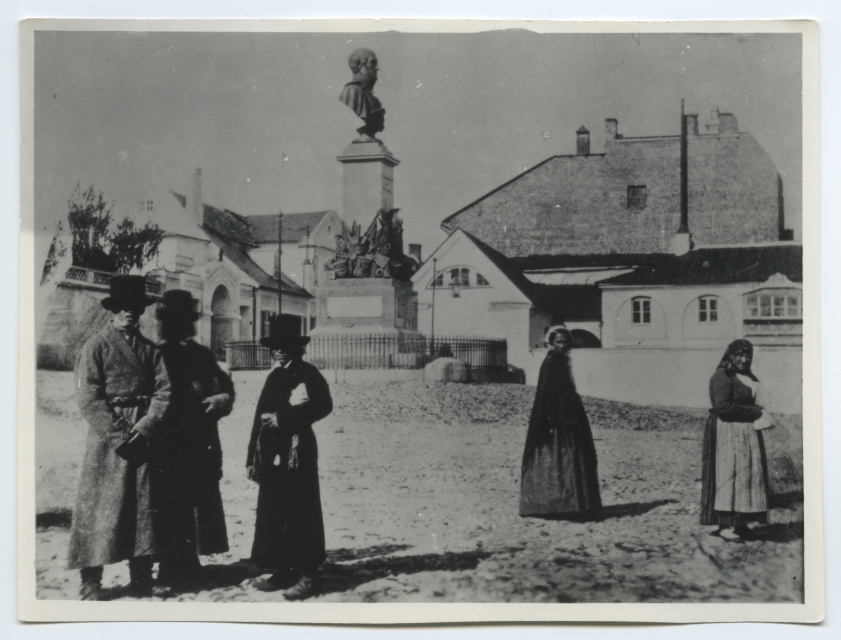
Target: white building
{"points": [[708, 297], [478, 292], [309, 242], [205, 250]]}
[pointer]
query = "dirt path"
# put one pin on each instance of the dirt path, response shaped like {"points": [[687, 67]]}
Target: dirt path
{"points": [[420, 492]]}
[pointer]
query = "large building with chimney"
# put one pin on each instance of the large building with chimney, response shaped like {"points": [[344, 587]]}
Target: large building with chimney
{"points": [[627, 199], [575, 239]]}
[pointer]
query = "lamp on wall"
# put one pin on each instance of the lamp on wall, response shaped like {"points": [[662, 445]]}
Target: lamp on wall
{"points": [[455, 287]]}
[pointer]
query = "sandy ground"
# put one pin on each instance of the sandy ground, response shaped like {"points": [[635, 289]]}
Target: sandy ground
{"points": [[420, 491]]}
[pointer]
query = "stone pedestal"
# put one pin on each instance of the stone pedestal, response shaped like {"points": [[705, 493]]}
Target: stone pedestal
{"points": [[366, 306], [368, 169]]}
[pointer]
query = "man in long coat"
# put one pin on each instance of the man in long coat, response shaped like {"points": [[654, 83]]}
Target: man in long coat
{"points": [[201, 394], [283, 458], [123, 392]]}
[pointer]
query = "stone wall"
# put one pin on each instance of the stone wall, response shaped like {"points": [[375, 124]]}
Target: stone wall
{"points": [[579, 204]]}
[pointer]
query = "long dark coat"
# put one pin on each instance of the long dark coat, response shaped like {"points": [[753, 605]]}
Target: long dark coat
{"points": [[290, 527], [732, 401], [559, 474], [115, 517], [194, 455]]}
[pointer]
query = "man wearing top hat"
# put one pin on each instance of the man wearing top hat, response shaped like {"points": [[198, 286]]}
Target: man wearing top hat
{"points": [[283, 459], [123, 391], [201, 394]]}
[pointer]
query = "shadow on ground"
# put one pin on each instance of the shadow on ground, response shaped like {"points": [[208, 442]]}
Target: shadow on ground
{"points": [[55, 518], [628, 510], [337, 576], [345, 555], [346, 577], [778, 532]]}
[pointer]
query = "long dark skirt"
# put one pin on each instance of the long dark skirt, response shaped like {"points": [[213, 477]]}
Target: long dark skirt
{"points": [[290, 527], [192, 509], [560, 477], [709, 515]]}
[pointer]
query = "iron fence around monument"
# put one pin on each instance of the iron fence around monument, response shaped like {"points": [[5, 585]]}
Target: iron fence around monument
{"points": [[377, 351]]}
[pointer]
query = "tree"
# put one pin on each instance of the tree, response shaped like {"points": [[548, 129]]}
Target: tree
{"points": [[133, 247], [95, 246], [89, 218]]}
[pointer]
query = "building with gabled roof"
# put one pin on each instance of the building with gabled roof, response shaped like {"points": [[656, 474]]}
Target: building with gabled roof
{"points": [[627, 199], [309, 242], [478, 292], [205, 250]]}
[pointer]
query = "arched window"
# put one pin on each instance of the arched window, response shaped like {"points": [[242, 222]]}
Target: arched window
{"points": [[641, 311], [481, 281], [460, 275], [439, 281]]}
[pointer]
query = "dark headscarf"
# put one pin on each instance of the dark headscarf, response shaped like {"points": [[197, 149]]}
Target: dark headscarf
{"points": [[733, 349]]}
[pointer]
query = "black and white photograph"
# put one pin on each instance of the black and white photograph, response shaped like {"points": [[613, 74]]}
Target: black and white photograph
{"points": [[434, 313]]}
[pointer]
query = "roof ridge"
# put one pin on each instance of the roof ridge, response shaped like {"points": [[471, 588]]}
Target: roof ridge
{"points": [[445, 221]]}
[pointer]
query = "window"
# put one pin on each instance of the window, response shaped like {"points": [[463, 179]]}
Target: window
{"points": [[265, 323], [439, 280], [183, 263], [637, 197], [147, 205], [642, 311], [481, 281], [708, 309], [775, 305], [465, 277]]}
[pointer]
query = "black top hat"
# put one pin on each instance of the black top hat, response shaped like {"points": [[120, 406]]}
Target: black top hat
{"points": [[177, 303], [127, 292], [285, 331]]}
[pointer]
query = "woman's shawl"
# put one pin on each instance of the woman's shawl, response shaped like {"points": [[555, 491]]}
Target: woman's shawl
{"points": [[557, 404]]}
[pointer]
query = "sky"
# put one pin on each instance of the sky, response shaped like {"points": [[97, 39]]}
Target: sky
{"points": [[259, 112]]}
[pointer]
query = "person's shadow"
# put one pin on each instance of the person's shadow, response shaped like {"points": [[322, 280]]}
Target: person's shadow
{"points": [[609, 512]]}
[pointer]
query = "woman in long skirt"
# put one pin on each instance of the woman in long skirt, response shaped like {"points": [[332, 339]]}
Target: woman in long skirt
{"points": [[735, 474], [559, 476]]}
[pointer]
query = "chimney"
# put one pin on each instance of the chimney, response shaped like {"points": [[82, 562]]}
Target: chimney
{"points": [[713, 122], [583, 141], [692, 123], [682, 241], [197, 206], [729, 124], [612, 126], [415, 252]]}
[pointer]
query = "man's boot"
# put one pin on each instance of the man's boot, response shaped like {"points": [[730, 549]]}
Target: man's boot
{"points": [[91, 589], [140, 569], [306, 587], [279, 580]]}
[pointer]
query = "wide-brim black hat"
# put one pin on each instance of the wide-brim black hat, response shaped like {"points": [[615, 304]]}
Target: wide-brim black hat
{"points": [[177, 304], [285, 331], [127, 292]]}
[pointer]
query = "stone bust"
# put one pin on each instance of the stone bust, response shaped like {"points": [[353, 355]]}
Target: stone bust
{"points": [[357, 94]]}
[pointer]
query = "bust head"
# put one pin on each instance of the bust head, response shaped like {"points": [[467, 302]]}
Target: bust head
{"points": [[363, 64]]}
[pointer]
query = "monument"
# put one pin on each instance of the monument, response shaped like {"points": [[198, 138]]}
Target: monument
{"points": [[370, 291]]}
